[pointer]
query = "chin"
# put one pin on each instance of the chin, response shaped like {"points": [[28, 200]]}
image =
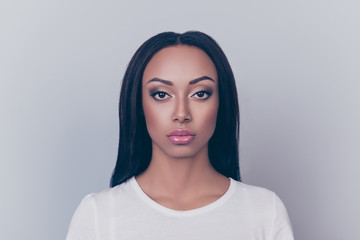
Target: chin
{"points": [[178, 150], [183, 151]]}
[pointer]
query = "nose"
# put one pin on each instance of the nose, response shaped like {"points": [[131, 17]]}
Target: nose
{"points": [[181, 111]]}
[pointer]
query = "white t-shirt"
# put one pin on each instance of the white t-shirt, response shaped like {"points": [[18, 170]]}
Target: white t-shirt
{"points": [[244, 212]]}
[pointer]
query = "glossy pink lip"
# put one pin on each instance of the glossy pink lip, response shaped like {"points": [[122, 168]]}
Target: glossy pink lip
{"points": [[181, 132], [181, 136]]}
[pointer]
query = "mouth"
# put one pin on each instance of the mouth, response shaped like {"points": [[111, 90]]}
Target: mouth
{"points": [[181, 136], [185, 139]]}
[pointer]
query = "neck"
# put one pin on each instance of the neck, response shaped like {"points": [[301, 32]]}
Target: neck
{"points": [[174, 177]]}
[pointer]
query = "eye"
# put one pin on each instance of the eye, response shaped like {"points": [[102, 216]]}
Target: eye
{"points": [[161, 95], [202, 93]]}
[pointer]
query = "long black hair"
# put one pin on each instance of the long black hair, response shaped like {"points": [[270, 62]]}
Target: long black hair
{"points": [[135, 147]]}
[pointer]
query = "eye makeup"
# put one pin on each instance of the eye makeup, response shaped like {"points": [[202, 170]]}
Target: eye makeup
{"points": [[155, 90], [208, 92], [160, 92]]}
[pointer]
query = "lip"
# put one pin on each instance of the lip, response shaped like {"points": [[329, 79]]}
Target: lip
{"points": [[181, 132], [181, 136]]}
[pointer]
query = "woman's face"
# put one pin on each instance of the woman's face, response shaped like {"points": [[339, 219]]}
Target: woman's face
{"points": [[180, 92]]}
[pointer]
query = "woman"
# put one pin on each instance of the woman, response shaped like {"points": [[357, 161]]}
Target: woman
{"points": [[177, 173]]}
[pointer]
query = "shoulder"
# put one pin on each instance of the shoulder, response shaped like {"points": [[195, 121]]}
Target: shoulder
{"points": [[256, 196], [107, 196], [264, 207], [253, 191], [260, 203]]}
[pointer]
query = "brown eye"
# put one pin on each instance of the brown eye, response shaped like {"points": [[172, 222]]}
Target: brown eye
{"points": [[160, 95], [201, 94]]}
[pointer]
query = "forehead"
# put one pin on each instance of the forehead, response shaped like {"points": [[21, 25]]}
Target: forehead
{"points": [[180, 62]]}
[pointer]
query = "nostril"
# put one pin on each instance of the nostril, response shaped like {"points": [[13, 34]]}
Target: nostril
{"points": [[182, 118]]}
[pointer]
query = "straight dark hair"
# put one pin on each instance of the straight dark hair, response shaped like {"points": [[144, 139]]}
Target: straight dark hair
{"points": [[135, 146]]}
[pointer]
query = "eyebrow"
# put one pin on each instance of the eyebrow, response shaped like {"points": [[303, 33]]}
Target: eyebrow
{"points": [[191, 82]]}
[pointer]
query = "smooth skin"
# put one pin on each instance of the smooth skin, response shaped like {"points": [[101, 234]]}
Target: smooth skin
{"points": [[180, 176]]}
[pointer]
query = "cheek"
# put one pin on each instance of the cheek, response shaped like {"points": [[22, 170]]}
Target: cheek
{"points": [[212, 116], [150, 117], [208, 116], [155, 118]]}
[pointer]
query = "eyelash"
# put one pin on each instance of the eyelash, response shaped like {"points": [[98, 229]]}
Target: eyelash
{"points": [[201, 91]]}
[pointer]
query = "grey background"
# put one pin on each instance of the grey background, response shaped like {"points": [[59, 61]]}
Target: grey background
{"points": [[297, 70]]}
